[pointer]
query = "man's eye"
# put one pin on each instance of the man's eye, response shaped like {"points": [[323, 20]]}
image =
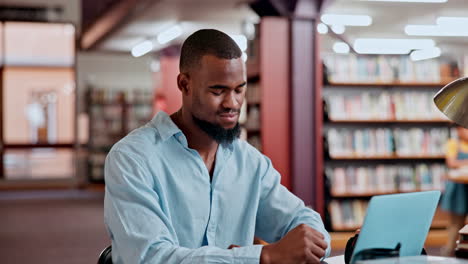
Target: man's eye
{"points": [[217, 93]]}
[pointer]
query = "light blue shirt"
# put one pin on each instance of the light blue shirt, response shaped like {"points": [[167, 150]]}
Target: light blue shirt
{"points": [[161, 207]]}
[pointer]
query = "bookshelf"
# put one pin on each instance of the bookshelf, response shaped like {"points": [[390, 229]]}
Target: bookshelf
{"points": [[37, 101], [112, 115], [382, 133]]}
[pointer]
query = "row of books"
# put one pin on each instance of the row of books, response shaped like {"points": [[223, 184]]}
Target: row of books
{"points": [[371, 180], [384, 69], [253, 93], [133, 96], [347, 214], [416, 141], [386, 142], [383, 106]]}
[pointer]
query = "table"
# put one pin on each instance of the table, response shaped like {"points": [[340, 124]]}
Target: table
{"points": [[402, 260], [458, 178], [416, 260]]}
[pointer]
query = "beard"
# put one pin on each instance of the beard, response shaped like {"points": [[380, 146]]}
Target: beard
{"points": [[218, 133]]}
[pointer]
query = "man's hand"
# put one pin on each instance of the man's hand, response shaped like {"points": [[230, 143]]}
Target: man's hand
{"points": [[303, 245]]}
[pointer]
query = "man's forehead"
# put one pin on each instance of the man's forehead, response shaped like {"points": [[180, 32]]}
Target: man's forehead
{"points": [[213, 65]]}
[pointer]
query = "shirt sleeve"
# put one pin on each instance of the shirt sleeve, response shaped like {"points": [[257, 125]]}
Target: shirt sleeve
{"points": [[451, 149], [281, 211], [140, 230]]}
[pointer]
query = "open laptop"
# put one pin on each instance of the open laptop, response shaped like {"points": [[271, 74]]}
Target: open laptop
{"points": [[398, 218]]}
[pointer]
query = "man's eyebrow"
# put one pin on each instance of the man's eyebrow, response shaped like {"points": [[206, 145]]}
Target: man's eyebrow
{"points": [[220, 86]]}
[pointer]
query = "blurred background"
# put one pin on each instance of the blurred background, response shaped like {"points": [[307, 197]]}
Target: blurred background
{"points": [[339, 97]]}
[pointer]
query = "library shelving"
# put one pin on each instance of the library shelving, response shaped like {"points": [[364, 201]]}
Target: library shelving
{"points": [[382, 133], [38, 120], [112, 115]]}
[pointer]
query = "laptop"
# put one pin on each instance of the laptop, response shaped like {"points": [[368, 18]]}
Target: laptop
{"points": [[397, 218]]}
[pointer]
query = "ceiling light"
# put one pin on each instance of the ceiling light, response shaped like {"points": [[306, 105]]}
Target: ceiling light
{"points": [[338, 29], [390, 46], [142, 48], [450, 21], [436, 30], [341, 47], [244, 56], [241, 41], [425, 54], [322, 28], [346, 20], [169, 34], [409, 1]]}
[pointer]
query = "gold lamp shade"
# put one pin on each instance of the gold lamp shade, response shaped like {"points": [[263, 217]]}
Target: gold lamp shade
{"points": [[452, 100]]}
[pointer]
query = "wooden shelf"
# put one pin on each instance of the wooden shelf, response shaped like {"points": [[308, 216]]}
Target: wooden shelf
{"points": [[387, 157], [363, 194], [403, 121], [345, 228], [369, 194], [253, 131], [39, 145], [394, 84], [253, 103]]}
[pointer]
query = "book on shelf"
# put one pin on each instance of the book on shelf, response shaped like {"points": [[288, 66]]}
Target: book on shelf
{"points": [[348, 214], [398, 142], [382, 106], [351, 68], [382, 179]]}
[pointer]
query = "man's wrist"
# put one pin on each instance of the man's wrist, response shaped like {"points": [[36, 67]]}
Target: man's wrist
{"points": [[265, 256]]}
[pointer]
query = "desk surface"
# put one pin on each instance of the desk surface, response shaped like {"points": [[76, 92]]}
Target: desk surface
{"points": [[458, 178], [417, 260], [402, 260]]}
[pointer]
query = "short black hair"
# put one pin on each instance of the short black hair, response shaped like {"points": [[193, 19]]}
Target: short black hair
{"points": [[207, 42]]}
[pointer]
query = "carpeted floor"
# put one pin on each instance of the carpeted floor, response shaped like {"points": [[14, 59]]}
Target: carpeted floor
{"points": [[51, 227]]}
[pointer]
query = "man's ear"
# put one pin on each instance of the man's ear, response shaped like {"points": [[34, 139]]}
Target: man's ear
{"points": [[183, 83]]}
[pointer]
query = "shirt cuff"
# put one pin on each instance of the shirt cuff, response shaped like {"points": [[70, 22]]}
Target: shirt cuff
{"points": [[247, 255]]}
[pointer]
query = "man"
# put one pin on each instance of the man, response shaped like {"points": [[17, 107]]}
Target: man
{"points": [[183, 188]]}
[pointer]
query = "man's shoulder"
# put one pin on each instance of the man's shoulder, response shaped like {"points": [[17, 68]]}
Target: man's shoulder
{"points": [[247, 150], [140, 141]]}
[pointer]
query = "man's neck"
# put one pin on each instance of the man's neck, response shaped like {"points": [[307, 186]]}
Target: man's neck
{"points": [[197, 139]]}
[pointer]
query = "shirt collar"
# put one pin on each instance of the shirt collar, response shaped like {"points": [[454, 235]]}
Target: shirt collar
{"points": [[165, 126]]}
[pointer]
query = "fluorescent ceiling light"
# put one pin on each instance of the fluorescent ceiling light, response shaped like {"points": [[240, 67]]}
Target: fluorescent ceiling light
{"points": [[322, 28], [425, 54], [341, 47], [390, 46], [241, 41], [436, 30], [169, 34], [446, 27], [409, 1], [346, 20], [244, 56], [338, 29], [142, 48], [451, 21]]}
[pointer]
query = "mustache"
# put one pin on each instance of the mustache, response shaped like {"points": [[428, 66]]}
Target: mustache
{"points": [[228, 111]]}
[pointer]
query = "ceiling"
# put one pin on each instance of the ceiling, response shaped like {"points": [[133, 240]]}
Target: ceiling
{"points": [[389, 20], [225, 15]]}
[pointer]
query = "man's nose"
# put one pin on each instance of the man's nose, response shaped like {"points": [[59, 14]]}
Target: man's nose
{"points": [[231, 101]]}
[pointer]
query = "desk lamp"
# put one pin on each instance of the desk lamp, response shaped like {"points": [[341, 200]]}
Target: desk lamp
{"points": [[452, 100]]}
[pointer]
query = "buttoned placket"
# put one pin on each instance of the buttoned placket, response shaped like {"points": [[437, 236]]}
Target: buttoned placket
{"points": [[222, 154]]}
